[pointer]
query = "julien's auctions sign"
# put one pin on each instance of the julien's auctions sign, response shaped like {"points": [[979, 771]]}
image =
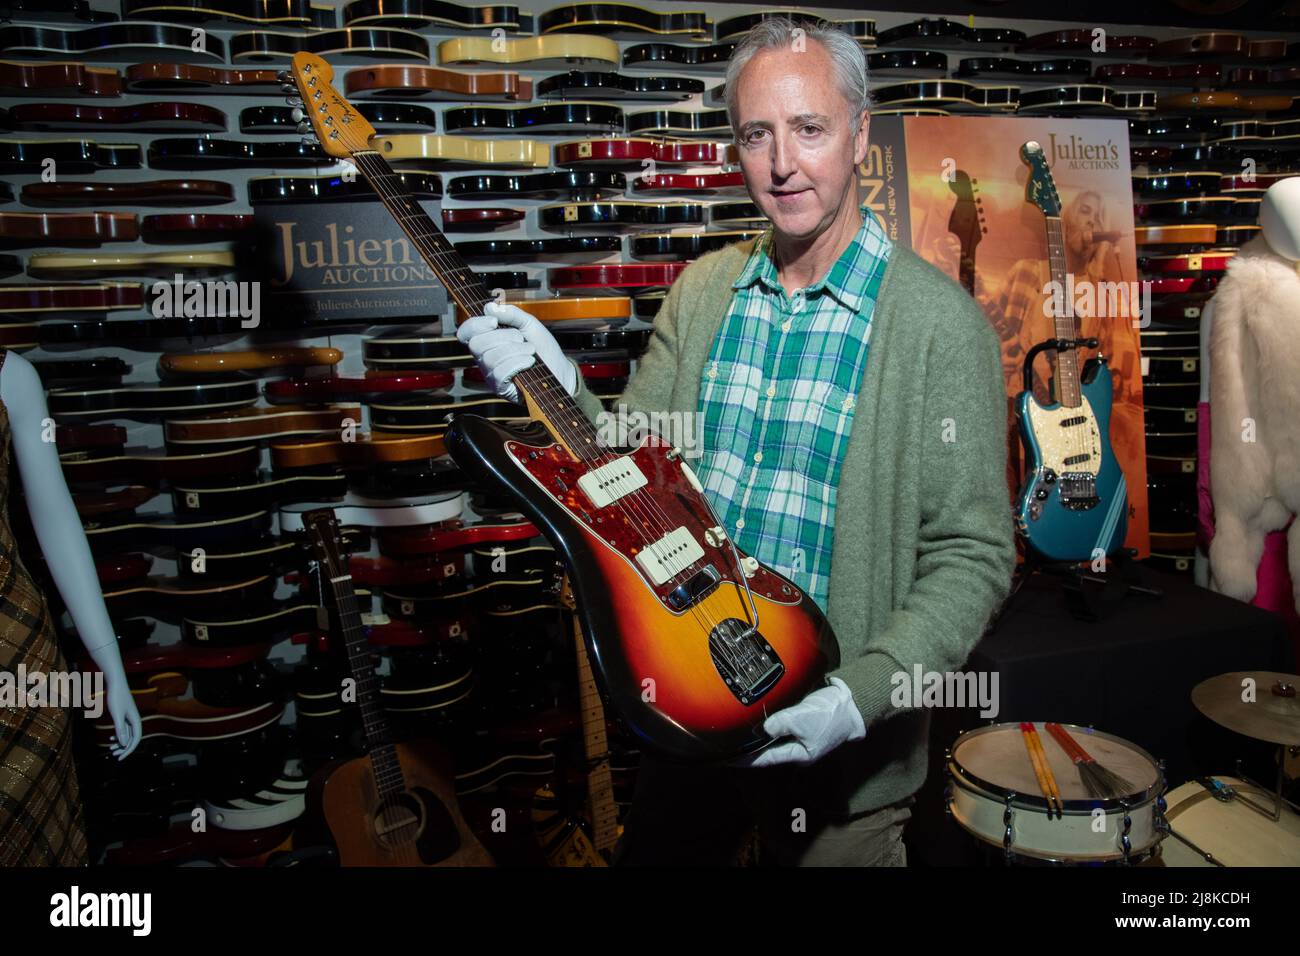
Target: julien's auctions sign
{"points": [[345, 262]]}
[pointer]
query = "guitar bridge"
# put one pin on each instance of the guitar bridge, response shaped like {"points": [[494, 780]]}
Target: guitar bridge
{"points": [[1079, 491], [745, 660]]}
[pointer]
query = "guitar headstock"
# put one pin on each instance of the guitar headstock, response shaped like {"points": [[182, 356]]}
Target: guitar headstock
{"points": [[966, 221], [326, 540], [340, 129], [1040, 189]]}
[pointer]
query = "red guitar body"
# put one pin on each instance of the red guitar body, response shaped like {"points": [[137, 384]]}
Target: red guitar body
{"points": [[689, 682]]}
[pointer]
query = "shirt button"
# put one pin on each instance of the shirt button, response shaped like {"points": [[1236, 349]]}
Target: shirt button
{"points": [[740, 524], [758, 457], [771, 390], [785, 326]]}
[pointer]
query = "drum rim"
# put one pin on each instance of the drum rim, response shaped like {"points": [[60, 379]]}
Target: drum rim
{"points": [[1078, 806], [1134, 857]]}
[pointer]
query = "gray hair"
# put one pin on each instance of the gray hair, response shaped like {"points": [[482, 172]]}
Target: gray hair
{"points": [[848, 61]]}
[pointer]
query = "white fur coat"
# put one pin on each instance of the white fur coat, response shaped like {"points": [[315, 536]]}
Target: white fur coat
{"points": [[1255, 415]]}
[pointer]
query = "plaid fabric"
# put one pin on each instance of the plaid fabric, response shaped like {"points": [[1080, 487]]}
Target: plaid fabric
{"points": [[777, 398], [41, 821]]}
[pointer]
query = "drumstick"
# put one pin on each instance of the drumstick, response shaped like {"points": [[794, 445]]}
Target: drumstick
{"points": [[1099, 781], [1027, 732], [1047, 769]]}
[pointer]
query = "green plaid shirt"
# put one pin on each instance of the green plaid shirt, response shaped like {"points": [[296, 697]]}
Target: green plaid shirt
{"points": [[777, 397]]}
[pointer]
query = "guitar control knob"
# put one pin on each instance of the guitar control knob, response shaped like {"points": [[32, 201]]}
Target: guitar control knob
{"points": [[1040, 494], [715, 536], [749, 565], [1049, 476]]}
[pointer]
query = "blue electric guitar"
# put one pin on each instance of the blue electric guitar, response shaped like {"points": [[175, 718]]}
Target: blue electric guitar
{"points": [[1074, 502]]}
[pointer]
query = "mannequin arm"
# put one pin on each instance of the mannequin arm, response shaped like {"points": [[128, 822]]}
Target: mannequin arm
{"points": [[62, 538]]}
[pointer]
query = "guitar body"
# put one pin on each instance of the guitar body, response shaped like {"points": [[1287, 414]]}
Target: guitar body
{"points": [[633, 635], [561, 838], [1057, 525], [422, 826]]}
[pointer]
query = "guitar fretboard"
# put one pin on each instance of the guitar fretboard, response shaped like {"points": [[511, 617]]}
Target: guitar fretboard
{"points": [[550, 401], [379, 743], [1067, 361]]}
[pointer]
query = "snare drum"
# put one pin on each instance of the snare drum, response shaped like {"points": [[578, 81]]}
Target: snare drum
{"points": [[1233, 833], [993, 794]]}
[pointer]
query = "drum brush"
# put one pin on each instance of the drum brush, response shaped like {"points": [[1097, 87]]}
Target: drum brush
{"points": [[1099, 781]]}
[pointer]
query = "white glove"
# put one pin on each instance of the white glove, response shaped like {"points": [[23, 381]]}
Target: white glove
{"points": [[813, 727], [508, 340]]}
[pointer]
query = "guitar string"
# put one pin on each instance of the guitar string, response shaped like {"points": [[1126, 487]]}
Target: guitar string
{"points": [[384, 776], [410, 220], [700, 612], [449, 261], [1056, 249], [710, 621], [378, 173], [632, 497], [385, 766]]}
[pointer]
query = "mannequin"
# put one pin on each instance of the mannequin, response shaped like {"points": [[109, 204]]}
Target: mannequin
{"points": [[1252, 328], [40, 815]]}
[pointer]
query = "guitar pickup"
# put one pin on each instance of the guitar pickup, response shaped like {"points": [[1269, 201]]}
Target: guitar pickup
{"points": [[668, 557], [611, 481]]}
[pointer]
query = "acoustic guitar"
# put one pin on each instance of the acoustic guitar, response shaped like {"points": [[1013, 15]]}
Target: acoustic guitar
{"points": [[397, 805], [694, 641]]}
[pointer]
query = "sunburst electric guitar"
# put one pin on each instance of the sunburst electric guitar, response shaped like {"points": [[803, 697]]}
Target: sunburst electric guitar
{"points": [[1073, 503], [694, 642]]}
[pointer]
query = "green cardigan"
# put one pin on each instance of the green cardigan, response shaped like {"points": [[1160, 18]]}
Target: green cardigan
{"points": [[923, 549]]}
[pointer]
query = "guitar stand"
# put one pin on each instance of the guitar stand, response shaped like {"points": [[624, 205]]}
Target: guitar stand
{"points": [[1089, 595], [1049, 345]]}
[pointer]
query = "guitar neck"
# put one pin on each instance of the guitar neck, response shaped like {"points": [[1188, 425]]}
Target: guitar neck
{"points": [[546, 398], [1067, 361], [966, 271], [379, 744], [600, 781]]}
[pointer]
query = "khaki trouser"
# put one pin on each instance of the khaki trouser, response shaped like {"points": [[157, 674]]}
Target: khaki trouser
{"points": [[685, 815], [871, 839]]}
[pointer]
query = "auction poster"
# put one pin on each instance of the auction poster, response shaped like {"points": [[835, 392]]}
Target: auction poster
{"points": [[953, 188]]}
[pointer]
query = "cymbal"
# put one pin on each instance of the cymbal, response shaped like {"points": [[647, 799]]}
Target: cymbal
{"points": [[1273, 714]]}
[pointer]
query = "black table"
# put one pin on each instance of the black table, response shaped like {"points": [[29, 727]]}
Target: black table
{"points": [[1130, 673]]}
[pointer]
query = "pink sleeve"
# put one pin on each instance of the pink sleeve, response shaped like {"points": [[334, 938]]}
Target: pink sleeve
{"points": [[1204, 503]]}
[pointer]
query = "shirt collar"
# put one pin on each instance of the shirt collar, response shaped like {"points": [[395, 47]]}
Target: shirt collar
{"points": [[846, 280]]}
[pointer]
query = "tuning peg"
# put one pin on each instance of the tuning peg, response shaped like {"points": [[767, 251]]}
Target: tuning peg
{"points": [[305, 128], [297, 114], [289, 89], [294, 101], [283, 76]]}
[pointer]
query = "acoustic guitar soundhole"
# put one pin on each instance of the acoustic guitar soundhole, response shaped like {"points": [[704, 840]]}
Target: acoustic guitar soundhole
{"points": [[416, 822]]}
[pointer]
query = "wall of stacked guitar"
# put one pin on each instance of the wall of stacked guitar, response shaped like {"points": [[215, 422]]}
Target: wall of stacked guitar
{"points": [[150, 140]]}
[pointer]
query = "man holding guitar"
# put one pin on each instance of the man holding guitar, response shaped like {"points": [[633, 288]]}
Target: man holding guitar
{"points": [[852, 406]]}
